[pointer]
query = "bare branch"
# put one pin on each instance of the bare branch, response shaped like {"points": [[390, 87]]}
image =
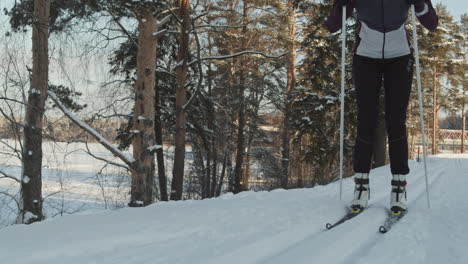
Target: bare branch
{"points": [[9, 176], [200, 70], [201, 15], [13, 100], [123, 28], [104, 142], [12, 197], [219, 26], [49, 195], [223, 57], [100, 158]]}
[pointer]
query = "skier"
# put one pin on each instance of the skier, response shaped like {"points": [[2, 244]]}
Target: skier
{"points": [[382, 54]]}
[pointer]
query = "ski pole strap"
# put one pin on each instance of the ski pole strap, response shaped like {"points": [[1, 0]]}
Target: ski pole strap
{"points": [[361, 181]]}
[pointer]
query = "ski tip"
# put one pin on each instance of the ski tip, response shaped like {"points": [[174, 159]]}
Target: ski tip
{"points": [[328, 226], [382, 229]]}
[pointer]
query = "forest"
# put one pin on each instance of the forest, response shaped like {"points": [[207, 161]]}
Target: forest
{"points": [[192, 99]]}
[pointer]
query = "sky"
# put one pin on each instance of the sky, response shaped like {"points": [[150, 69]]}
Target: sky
{"points": [[456, 7]]}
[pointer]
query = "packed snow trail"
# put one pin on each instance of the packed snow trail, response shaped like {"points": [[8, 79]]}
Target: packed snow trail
{"points": [[264, 227]]}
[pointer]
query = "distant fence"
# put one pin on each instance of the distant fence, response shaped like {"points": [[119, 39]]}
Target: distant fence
{"points": [[452, 134], [449, 140]]}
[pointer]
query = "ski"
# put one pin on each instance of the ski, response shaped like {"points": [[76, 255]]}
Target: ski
{"points": [[349, 215], [392, 219]]}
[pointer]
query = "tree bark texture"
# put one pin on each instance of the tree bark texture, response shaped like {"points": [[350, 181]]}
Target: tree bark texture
{"points": [[144, 137], [291, 84], [31, 178], [237, 186], [160, 152], [181, 72]]}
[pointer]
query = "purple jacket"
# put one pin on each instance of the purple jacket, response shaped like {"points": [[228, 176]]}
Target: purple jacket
{"points": [[381, 32]]}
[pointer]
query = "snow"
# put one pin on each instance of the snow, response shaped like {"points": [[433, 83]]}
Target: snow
{"points": [[89, 129], [264, 227], [28, 216], [26, 179], [154, 148], [35, 91]]}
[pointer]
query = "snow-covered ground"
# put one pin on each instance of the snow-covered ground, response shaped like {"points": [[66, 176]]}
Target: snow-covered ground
{"points": [[73, 181], [264, 227]]}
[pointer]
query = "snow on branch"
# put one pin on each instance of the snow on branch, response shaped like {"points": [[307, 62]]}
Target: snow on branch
{"points": [[240, 54], [8, 176], [159, 33], [163, 21], [92, 132]]}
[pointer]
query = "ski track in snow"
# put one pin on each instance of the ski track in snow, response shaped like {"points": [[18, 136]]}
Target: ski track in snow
{"points": [[265, 227]]}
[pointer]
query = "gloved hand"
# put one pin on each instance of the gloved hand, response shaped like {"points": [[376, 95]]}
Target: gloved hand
{"points": [[343, 2], [415, 2]]}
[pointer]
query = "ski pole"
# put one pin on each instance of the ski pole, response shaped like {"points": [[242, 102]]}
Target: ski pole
{"points": [[343, 59], [421, 113]]}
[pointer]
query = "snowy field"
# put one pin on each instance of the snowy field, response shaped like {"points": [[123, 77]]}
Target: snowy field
{"points": [[73, 181], [264, 227]]}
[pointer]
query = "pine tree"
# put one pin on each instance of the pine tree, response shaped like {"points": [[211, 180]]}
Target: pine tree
{"points": [[435, 50], [316, 108], [31, 178], [242, 82], [460, 79]]}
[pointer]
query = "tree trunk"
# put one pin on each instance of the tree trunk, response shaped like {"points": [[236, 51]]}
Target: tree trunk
{"points": [[160, 152], [207, 173], [237, 186], [179, 155], [434, 121], [213, 137], [144, 138], [291, 84], [246, 167], [223, 172], [31, 178]]}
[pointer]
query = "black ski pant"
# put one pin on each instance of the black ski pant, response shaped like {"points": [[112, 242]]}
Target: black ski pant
{"points": [[396, 74]]}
